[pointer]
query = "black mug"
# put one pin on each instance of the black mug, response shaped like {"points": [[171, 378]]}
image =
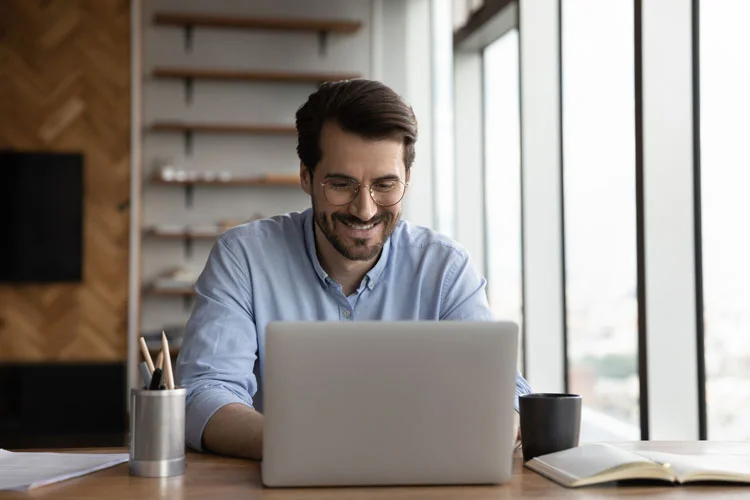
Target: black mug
{"points": [[549, 423]]}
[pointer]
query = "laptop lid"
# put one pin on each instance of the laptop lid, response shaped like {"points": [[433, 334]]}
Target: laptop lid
{"points": [[385, 403]]}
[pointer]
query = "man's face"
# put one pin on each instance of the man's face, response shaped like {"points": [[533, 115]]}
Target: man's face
{"points": [[357, 230]]}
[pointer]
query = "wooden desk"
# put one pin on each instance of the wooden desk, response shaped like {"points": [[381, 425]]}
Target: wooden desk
{"points": [[213, 477]]}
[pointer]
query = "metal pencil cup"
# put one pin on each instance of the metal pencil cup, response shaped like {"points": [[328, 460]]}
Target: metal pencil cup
{"points": [[157, 432]]}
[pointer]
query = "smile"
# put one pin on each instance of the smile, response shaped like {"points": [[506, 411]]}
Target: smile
{"points": [[359, 227]]}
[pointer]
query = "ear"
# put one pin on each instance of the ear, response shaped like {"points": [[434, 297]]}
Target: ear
{"points": [[304, 178], [408, 175]]}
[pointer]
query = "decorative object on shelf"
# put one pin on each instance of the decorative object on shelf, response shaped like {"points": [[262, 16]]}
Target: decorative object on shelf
{"points": [[185, 177]]}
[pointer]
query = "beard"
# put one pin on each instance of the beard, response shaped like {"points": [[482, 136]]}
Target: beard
{"points": [[355, 248]]}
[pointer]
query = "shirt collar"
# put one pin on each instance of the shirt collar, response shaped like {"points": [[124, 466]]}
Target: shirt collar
{"points": [[372, 276]]}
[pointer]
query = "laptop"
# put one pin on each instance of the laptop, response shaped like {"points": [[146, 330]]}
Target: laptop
{"points": [[388, 403]]}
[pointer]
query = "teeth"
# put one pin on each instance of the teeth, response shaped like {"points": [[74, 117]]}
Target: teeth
{"points": [[361, 228]]}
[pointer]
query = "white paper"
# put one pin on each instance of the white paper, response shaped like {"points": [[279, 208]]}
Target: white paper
{"points": [[27, 470]]}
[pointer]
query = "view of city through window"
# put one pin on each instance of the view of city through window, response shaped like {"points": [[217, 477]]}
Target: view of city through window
{"points": [[599, 202], [599, 196], [725, 173]]}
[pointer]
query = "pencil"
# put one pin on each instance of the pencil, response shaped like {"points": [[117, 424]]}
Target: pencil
{"points": [[146, 355], [168, 375], [160, 360]]}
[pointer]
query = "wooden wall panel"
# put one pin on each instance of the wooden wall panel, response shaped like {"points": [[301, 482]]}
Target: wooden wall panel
{"points": [[65, 86]]}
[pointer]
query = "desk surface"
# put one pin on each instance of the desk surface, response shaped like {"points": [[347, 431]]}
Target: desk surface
{"points": [[214, 477]]}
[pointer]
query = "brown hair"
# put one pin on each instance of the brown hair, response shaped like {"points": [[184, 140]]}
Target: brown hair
{"points": [[367, 108]]}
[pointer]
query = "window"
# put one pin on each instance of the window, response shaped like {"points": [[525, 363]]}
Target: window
{"points": [[503, 177], [442, 101], [599, 208], [725, 183]]}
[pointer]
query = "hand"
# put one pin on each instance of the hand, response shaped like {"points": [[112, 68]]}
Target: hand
{"points": [[517, 431]]}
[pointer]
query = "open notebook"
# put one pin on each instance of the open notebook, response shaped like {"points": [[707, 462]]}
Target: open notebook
{"points": [[599, 463], [27, 470]]}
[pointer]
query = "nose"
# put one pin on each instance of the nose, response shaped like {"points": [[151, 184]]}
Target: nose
{"points": [[363, 207]]}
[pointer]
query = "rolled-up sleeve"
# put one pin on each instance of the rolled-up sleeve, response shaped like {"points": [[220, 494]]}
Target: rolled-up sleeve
{"points": [[216, 360], [464, 298]]}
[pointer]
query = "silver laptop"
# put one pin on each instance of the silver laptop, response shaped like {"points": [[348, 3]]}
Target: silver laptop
{"points": [[387, 403]]}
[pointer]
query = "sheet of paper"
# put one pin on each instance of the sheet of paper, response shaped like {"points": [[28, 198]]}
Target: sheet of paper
{"points": [[26, 470]]}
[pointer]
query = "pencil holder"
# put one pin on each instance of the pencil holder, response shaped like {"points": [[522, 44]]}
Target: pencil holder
{"points": [[157, 432]]}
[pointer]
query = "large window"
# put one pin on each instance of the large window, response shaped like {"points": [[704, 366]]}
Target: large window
{"points": [[725, 173], [599, 207], [503, 177]]}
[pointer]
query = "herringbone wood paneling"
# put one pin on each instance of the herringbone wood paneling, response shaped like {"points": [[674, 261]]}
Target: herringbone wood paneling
{"points": [[65, 86]]}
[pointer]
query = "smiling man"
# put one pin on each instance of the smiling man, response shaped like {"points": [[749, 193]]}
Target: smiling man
{"points": [[350, 257]]}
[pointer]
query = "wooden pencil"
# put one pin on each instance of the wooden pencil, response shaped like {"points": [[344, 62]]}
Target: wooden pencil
{"points": [[146, 355], [168, 375]]}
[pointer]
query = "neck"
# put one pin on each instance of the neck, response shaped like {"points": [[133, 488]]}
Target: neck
{"points": [[347, 273]]}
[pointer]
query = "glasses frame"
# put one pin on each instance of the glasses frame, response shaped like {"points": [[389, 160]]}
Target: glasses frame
{"points": [[359, 188]]}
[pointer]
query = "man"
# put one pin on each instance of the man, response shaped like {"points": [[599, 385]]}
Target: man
{"points": [[350, 257]]}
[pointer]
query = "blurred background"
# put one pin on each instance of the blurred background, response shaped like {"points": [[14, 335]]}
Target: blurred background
{"points": [[591, 155]]}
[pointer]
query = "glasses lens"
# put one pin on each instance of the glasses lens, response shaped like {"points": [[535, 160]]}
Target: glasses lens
{"points": [[340, 192], [384, 193], [387, 193]]}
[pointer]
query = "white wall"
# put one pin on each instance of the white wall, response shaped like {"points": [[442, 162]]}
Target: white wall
{"points": [[393, 45], [406, 66]]}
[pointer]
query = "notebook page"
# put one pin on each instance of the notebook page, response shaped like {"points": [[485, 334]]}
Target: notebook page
{"points": [[26, 470], [734, 465], [589, 460]]}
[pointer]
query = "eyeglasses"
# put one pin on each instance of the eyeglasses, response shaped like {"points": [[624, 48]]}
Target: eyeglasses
{"points": [[385, 193]]}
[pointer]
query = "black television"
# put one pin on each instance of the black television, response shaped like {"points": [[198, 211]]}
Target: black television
{"points": [[41, 217]]}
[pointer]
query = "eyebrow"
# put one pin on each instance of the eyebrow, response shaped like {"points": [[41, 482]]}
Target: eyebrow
{"points": [[388, 177]]}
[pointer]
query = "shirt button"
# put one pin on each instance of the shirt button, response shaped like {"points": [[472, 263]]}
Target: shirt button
{"points": [[347, 314], [371, 285]]}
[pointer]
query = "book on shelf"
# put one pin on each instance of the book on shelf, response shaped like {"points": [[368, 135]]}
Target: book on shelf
{"points": [[599, 463]]}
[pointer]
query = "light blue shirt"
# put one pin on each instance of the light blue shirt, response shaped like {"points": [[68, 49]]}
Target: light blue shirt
{"points": [[268, 270]]}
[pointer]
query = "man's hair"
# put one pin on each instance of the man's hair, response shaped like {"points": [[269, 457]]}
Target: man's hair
{"points": [[367, 108]]}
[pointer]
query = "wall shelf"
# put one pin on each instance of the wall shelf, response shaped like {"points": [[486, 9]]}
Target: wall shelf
{"points": [[155, 233], [171, 292], [266, 180], [342, 26], [155, 350], [248, 76], [220, 128]]}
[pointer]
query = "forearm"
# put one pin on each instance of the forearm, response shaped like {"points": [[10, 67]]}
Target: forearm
{"points": [[235, 430]]}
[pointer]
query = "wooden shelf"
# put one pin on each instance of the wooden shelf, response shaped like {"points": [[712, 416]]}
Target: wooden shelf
{"points": [[342, 26], [155, 233], [172, 292], [154, 351], [222, 128], [248, 76], [266, 180]]}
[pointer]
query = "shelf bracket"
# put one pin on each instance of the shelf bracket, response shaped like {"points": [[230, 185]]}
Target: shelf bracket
{"points": [[322, 42], [189, 188], [188, 38], [188, 135], [188, 242], [188, 91]]}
